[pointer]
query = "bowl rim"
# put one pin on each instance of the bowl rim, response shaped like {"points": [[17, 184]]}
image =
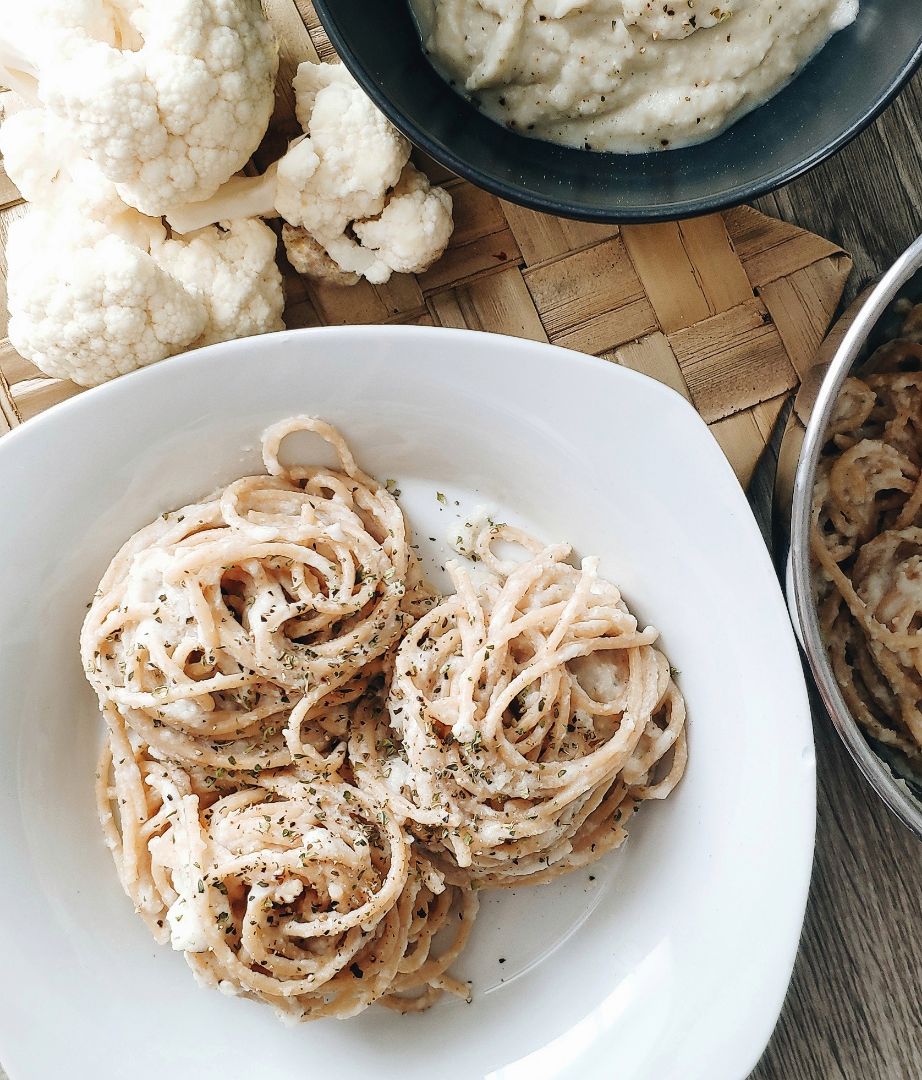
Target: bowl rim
{"points": [[907, 809], [684, 208]]}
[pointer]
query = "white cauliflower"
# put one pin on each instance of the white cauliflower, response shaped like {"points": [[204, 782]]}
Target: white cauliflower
{"points": [[45, 165], [167, 98], [414, 227], [88, 303], [232, 270], [351, 158], [347, 184]]}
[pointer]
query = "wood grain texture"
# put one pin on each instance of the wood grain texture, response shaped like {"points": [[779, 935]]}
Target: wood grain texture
{"points": [[735, 356], [853, 1009]]}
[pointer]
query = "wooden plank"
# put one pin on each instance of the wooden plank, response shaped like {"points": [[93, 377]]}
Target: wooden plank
{"points": [[653, 356], [9, 193], [300, 310], [295, 46], [500, 304], [718, 266], [667, 273], [36, 395], [853, 1011], [7, 217], [770, 249], [802, 306], [315, 29], [476, 213], [766, 414], [742, 442], [416, 318], [733, 360], [689, 269], [481, 243], [13, 367], [338, 305], [542, 236], [462, 262], [9, 414], [591, 300]]}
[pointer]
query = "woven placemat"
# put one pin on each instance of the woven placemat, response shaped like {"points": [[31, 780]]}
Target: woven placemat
{"points": [[727, 309]]}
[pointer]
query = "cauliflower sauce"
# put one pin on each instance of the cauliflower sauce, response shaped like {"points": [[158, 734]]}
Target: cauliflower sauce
{"points": [[624, 75]]}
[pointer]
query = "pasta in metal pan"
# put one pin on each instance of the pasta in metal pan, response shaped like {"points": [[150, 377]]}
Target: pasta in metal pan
{"points": [[867, 542]]}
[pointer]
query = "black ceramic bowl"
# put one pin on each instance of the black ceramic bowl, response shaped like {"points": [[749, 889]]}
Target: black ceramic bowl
{"points": [[841, 91]]}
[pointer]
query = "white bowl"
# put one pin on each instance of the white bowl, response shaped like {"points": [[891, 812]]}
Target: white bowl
{"points": [[670, 961]]}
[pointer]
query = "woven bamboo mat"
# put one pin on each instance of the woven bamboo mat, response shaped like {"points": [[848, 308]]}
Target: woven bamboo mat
{"points": [[728, 309]]}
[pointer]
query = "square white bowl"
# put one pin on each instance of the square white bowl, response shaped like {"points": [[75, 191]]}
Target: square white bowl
{"points": [[669, 959]]}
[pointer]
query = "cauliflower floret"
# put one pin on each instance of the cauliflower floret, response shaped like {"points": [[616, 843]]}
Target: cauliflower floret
{"points": [[40, 157], [309, 80], [291, 176], [414, 228], [31, 156], [92, 299], [407, 236], [87, 305], [349, 176], [349, 161], [168, 98], [231, 269]]}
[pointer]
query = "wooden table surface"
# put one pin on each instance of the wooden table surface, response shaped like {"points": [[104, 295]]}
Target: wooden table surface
{"points": [[854, 1009]]}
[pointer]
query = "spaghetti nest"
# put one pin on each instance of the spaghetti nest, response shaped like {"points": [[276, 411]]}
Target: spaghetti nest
{"points": [[866, 541], [300, 891], [529, 715], [235, 632], [312, 765]]}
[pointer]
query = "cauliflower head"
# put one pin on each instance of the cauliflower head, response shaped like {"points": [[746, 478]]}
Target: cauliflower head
{"points": [[45, 163], [413, 229], [87, 305], [92, 299], [167, 98], [231, 269], [352, 203], [350, 159]]}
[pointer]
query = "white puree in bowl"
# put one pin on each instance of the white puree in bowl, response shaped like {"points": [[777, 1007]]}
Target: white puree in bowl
{"points": [[624, 75]]}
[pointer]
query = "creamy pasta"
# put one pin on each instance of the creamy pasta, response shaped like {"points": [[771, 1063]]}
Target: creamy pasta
{"points": [[867, 542], [312, 764], [531, 714]]}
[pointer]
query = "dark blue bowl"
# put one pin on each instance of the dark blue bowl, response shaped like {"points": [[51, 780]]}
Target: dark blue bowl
{"points": [[838, 94]]}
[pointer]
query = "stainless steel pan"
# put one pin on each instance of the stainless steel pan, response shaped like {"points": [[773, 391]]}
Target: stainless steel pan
{"points": [[868, 327]]}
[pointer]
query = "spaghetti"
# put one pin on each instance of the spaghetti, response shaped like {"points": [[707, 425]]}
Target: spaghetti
{"points": [[312, 765], [236, 631], [297, 890], [529, 713], [866, 540]]}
